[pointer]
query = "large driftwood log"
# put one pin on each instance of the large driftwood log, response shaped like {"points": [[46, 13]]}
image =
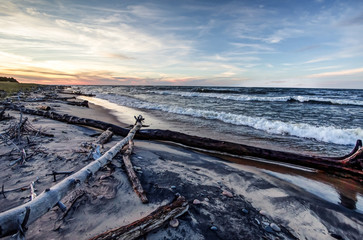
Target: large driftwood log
{"points": [[148, 223], [347, 166], [9, 220], [136, 185], [77, 93]]}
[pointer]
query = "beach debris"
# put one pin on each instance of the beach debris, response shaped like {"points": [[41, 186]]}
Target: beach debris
{"points": [[61, 206], [142, 226], [9, 220], [3, 116], [55, 173], [227, 193], [77, 103], [18, 189], [33, 195], [257, 221], [136, 184], [196, 202], [105, 137], [78, 93], [44, 107], [245, 211], [213, 228], [275, 227], [206, 199], [73, 202], [96, 154], [173, 187], [348, 166], [174, 223]]}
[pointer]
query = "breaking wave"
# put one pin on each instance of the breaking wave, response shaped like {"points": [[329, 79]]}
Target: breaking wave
{"points": [[328, 134], [243, 97]]}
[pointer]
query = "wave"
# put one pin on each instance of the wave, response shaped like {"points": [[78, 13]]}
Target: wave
{"points": [[242, 97], [328, 134]]}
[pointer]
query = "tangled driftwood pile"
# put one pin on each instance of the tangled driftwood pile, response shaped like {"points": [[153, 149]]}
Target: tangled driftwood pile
{"points": [[17, 219]]}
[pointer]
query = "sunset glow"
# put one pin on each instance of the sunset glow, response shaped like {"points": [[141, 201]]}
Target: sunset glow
{"points": [[316, 43]]}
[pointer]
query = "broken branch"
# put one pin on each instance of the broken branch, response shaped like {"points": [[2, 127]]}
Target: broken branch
{"points": [[148, 223]]}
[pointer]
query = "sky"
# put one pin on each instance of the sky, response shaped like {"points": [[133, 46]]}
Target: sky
{"points": [[256, 43]]}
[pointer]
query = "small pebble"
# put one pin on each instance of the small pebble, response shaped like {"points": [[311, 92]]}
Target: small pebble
{"points": [[275, 227], [245, 211], [206, 199], [265, 223], [257, 221], [173, 187], [227, 193], [137, 168], [196, 202], [263, 212], [269, 229], [214, 228], [174, 223], [139, 172]]}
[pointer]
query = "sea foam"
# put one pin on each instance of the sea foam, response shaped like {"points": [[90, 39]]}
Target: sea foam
{"points": [[244, 97], [328, 134]]}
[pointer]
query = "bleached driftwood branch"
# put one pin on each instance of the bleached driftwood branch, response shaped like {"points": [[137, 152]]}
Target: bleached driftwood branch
{"points": [[11, 220]]}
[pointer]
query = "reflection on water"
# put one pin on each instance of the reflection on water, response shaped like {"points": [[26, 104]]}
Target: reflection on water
{"points": [[347, 197], [345, 192]]}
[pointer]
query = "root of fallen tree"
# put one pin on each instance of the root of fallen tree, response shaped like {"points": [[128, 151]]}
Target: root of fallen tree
{"points": [[348, 166]]}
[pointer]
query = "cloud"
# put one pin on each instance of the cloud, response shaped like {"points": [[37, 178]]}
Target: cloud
{"points": [[338, 73]]}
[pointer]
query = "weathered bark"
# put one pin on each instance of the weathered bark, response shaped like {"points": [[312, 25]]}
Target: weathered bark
{"points": [[148, 223], [44, 107], [349, 166], [70, 119], [104, 137], [9, 220], [81, 104], [136, 185]]}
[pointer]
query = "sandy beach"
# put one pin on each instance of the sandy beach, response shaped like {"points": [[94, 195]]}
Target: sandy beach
{"points": [[228, 198]]}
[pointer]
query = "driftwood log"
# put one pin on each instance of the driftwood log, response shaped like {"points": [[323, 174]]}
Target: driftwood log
{"points": [[104, 137], [77, 93], [136, 185], [27, 213], [349, 166], [148, 223]]}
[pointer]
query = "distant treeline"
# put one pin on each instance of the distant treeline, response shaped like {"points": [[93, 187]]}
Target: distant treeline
{"points": [[7, 79]]}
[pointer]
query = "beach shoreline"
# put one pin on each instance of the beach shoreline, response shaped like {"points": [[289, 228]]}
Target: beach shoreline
{"points": [[256, 198]]}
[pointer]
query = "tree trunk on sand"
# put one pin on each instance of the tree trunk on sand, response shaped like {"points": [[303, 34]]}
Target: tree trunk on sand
{"points": [[349, 166], [148, 223], [136, 185], [11, 219]]}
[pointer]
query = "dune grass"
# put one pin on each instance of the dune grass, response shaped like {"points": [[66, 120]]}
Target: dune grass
{"points": [[9, 88]]}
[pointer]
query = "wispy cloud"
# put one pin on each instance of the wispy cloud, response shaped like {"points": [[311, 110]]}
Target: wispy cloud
{"points": [[338, 73], [196, 42]]}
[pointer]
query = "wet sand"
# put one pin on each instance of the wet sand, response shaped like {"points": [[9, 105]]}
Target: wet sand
{"points": [[261, 196]]}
